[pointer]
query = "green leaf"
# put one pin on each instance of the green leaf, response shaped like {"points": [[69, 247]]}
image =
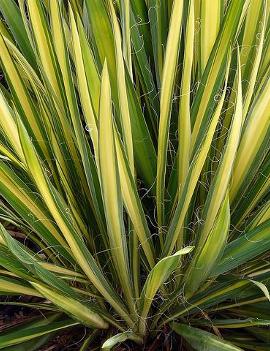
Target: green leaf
{"points": [[32, 331], [57, 207], [204, 101], [119, 338], [203, 263], [102, 33], [236, 323], [72, 307], [222, 178], [211, 16], [262, 287], [158, 276], [158, 17], [184, 125], [167, 90], [85, 92], [201, 340], [133, 203], [65, 298], [196, 166], [109, 173], [125, 16], [109, 177], [122, 89], [12, 16], [245, 248], [16, 287], [32, 345]]}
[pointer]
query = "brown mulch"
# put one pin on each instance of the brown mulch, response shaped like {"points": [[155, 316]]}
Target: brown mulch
{"points": [[68, 340], [14, 315]]}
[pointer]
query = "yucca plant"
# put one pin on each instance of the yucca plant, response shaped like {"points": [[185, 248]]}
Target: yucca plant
{"points": [[134, 172]]}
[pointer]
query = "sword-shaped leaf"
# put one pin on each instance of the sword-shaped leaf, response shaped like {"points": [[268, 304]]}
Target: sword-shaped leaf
{"points": [[109, 178], [206, 257], [202, 340], [118, 338], [167, 90], [158, 276], [195, 169], [33, 330]]}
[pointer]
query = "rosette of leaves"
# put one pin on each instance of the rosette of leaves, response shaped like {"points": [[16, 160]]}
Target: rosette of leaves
{"points": [[134, 171]]}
